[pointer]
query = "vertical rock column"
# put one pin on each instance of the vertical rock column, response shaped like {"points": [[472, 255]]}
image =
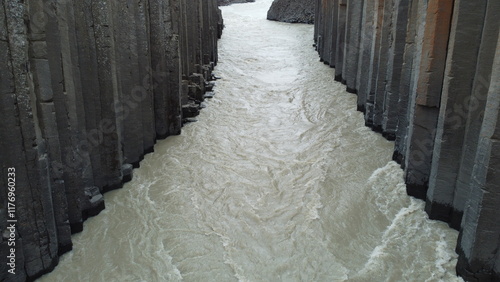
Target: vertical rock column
{"points": [[197, 69], [363, 79], [465, 40], [90, 88], [66, 84], [326, 30], [378, 17], [144, 88], [318, 26], [133, 87], [394, 68], [379, 83], [340, 24], [424, 114], [479, 240], [409, 75], [327, 42], [477, 103], [318, 16], [323, 36], [332, 18], [46, 115], [426, 75], [352, 38], [86, 87], [109, 130], [166, 66]]}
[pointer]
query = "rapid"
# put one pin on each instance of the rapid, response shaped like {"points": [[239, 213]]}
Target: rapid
{"points": [[279, 180]]}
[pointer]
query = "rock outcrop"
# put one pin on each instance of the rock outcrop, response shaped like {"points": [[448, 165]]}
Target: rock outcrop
{"points": [[427, 74], [229, 2], [86, 89], [292, 11]]}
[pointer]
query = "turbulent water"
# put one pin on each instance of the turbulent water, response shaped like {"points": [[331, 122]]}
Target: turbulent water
{"points": [[279, 180]]}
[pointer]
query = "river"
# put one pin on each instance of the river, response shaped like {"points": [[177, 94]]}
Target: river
{"points": [[279, 180]]}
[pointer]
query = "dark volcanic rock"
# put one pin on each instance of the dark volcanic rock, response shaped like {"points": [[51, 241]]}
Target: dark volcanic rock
{"points": [[292, 11], [229, 2], [426, 74], [86, 88]]}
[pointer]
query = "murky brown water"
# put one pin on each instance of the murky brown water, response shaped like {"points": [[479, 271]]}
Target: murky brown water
{"points": [[278, 181]]}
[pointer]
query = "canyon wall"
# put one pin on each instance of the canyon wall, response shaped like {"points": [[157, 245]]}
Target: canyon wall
{"points": [[427, 74], [86, 89], [229, 2]]}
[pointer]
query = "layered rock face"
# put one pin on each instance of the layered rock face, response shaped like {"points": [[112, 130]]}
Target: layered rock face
{"points": [[292, 11], [427, 74], [86, 89]]}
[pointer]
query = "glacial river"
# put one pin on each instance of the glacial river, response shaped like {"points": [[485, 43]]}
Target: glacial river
{"points": [[279, 180]]}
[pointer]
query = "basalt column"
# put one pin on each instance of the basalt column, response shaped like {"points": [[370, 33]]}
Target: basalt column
{"points": [[166, 65], [424, 113], [327, 45], [197, 69], [26, 157], [340, 25], [378, 17], [465, 40], [394, 68], [384, 41]]}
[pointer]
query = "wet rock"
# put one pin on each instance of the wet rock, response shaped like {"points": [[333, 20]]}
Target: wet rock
{"points": [[127, 172], [209, 95], [94, 203]]}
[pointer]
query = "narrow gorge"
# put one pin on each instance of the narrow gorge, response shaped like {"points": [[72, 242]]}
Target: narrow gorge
{"points": [[283, 175]]}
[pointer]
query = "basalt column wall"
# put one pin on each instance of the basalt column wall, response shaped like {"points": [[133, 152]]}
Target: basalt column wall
{"points": [[426, 73], [86, 88]]}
